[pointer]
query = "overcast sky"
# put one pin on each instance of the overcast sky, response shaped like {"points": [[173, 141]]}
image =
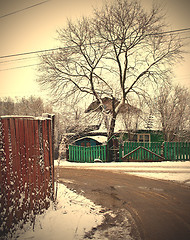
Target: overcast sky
{"points": [[35, 29]]}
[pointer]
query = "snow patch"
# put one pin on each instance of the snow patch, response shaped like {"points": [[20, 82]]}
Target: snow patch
{"points": [[69, 219]]}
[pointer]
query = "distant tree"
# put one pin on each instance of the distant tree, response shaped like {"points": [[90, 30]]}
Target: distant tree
{"points": [[7, 106], [33, 106], [118, 52], [71, 122], [172, 108], [73, 119]]}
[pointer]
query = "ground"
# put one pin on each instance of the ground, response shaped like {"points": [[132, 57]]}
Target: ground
{"points": [[107, 201], [155, 209]]}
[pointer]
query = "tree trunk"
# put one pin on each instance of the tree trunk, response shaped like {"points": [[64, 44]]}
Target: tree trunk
{"points": [[111, 128], [111, 151]]}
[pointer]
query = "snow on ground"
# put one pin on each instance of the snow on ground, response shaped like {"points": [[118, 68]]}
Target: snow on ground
{"points": [[73, 216], [166, 170]]}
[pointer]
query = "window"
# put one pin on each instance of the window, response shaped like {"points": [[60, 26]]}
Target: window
{"points": [[143, 138], [146, 138]]}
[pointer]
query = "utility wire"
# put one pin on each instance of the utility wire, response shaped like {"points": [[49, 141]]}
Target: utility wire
{"points": [[31, 65], [172, 31], [26, 53], [55, 49], [18, 59], [8, 14]]}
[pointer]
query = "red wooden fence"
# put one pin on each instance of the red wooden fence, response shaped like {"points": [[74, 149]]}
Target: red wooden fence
{"points": [[26, 169]]}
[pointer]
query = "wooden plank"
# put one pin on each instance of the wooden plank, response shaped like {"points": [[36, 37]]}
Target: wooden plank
{"points": [[51, 161], [27, 172], [105, 156], [22, 152], [74, 153], [164, 149], [46, 161], [31, 172], [42, 165], [8, 188], [166, 152], [4, 181], [94, 153], [19, 186], [70, 153], [91, 155], [88, 154], [38, 180], [14, 181], [184, 151]]}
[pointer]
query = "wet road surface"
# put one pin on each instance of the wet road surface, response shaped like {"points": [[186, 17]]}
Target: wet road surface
{"points": [[160, 210]]}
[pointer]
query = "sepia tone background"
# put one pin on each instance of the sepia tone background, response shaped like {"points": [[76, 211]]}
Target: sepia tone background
{"points": [[30, 26]]}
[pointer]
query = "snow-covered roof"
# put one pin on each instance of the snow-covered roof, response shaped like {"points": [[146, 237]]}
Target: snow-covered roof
{"points": [[100, 139]]}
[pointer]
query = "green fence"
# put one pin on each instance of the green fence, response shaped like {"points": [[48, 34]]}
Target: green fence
{"points": [[177, 150], [87, 154], [134, 151]]}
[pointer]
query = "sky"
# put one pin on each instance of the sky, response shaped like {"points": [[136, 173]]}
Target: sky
{"points": [[34, 29]]}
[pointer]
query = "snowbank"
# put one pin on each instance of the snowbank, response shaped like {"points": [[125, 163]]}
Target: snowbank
{"points": [[74, 215]]}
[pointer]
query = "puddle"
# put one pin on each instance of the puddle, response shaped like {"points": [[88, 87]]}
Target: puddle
{"points": [[151, 189], [63, 180]]}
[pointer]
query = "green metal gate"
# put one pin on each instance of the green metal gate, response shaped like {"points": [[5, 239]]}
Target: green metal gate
{"points": [[134, 151], [87, 154], [154, 151]]}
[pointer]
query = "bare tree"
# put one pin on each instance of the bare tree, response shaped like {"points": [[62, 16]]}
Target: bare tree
{"points": [[7, 106], [74, 120], [172, 108], [117, 52], [33, 106]]}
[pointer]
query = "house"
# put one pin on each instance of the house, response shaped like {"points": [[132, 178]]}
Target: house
{"points": [[142, 135]]}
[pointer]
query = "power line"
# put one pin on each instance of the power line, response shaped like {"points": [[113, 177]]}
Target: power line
{"points": [[26, 53], [55, 49], [31, 65], [172, 31], [18, 59], [8, 14]]}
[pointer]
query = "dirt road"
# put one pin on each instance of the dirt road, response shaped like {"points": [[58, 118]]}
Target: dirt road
{"points": [[157, 210]]}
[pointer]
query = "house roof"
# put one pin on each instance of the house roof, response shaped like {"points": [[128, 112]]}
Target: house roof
{"points": [[100, 139]]}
